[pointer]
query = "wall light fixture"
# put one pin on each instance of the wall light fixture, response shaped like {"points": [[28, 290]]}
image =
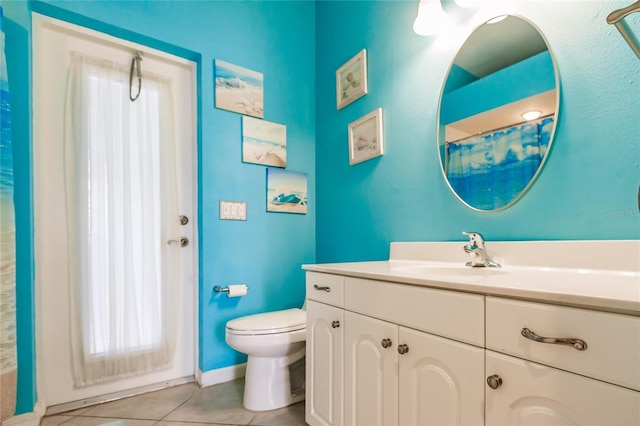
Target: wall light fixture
{"points": [[431, 19], [467, 3]]}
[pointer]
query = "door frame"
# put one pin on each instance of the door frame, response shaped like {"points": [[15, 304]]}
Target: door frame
{"points": [[39, 21]]}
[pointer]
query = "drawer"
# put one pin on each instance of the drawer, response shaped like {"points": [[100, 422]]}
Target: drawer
{"points": [[613, 340], [325, 288], [454, 315]]}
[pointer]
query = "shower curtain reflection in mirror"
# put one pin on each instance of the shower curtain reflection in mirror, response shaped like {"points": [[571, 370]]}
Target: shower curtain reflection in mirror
{"points": [[490, 171], [8, 354]]}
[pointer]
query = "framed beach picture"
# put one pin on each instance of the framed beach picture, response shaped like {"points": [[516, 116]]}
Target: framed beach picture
{"points": [[264, 142], [351, 79], [286, 191], [239, 89], [365, 137]]}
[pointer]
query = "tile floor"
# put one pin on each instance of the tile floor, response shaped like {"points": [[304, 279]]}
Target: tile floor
{"points": [[183, 405]]}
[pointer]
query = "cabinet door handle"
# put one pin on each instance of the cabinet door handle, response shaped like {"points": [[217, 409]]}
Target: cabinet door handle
{"points": [[386, 343], [403, 349], [327, 289], [578, 344], [494, 381], [335, 324]]}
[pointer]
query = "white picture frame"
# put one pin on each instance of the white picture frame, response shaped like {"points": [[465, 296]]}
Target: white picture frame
{"points": [[351, 80], [366, 139]]}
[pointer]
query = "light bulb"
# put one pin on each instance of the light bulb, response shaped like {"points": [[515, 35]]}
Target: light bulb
{"points": [[531, 115], [431, 19]]}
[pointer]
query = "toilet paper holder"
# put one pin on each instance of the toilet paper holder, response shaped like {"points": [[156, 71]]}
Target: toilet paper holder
{"points": [[219, 289]]}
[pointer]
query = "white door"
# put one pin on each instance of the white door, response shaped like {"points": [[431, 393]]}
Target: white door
{"points": [[534, 394], [441, 381], [323, 405], [370, 370], [53, 42]]}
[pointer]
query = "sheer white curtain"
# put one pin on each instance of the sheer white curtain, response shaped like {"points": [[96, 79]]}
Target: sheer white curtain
{"points": [[121, 200]]}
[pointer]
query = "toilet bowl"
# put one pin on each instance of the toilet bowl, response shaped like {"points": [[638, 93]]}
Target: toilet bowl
{"points": [[275, 345]]}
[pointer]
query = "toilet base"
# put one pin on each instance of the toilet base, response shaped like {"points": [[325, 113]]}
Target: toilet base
{"points": [[267, 384]]}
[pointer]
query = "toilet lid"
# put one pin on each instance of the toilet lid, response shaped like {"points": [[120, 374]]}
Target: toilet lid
{"points": [[269, 322]]}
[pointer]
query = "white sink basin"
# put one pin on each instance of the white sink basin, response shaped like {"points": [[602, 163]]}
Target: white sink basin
{"points": [[461, 271]]}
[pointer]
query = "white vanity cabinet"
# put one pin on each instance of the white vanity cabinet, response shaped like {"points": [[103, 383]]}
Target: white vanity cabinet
{"points": [[371, 371], [387, 353], [441, 381], [396, 371], [535, 394], [324, 350], [591, 379], [397, 375], [545, 341]]}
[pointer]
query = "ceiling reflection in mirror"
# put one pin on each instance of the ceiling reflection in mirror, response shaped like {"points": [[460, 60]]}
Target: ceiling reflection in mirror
{"points": [[490, 154]]}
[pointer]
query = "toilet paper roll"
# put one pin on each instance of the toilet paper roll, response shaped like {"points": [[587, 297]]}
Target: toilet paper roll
{"points": [[237, 290]]}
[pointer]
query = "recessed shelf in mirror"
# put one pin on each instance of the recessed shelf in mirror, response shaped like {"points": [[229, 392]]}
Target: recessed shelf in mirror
{"points": [[490, 155]]}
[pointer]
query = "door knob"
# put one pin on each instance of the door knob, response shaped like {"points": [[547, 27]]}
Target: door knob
{"points": [[335, 324], [494, 381], [182, 242], [386, 343], [403, 349]]}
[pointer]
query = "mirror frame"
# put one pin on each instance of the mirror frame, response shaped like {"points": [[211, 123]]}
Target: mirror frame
{"points": [[440, 129]]}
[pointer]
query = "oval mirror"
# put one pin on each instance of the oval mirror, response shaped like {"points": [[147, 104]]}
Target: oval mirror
{"points": [[490, 150]]}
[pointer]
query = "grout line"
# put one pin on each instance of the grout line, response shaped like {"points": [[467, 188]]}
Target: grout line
{"points": [[180, 405]]}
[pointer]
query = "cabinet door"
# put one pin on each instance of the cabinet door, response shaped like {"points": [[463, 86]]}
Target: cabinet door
{"points": [[371, 380], [441, 381], [533, 394], [324, 364]]}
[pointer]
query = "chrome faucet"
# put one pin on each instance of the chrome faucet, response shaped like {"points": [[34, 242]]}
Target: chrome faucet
{"points": [[478, 251]]}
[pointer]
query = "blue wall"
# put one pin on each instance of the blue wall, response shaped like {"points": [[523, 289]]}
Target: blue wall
{"points": [[587, 190], [276, 38], [529, 77]]}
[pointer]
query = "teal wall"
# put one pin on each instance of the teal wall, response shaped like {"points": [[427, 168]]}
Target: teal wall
{"points": [[526, 78], [276, 38], [588, 188]]}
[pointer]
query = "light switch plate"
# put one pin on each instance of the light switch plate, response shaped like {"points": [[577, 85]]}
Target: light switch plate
{"points": [[233, 210]]}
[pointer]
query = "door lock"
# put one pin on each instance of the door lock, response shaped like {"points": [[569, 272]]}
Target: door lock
{"points": [[183, 242]]}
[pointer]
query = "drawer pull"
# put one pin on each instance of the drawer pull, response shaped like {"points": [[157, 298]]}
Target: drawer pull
{"points": [[335, 324], [578, 344], [327, 289], [386, 343]]}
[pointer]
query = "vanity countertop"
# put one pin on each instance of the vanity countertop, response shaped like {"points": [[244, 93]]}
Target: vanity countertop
{"points": [[612, 290]]}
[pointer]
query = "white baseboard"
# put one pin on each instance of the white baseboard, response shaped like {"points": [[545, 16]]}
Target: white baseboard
{"points": [[208, 378], [27, 419], [221, 375]]}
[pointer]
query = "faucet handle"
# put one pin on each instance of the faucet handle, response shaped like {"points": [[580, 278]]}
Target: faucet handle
{"points": [[475, 238]]}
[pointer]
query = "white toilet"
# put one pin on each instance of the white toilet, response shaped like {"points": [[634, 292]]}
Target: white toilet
{"points": [[275, 345]]}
